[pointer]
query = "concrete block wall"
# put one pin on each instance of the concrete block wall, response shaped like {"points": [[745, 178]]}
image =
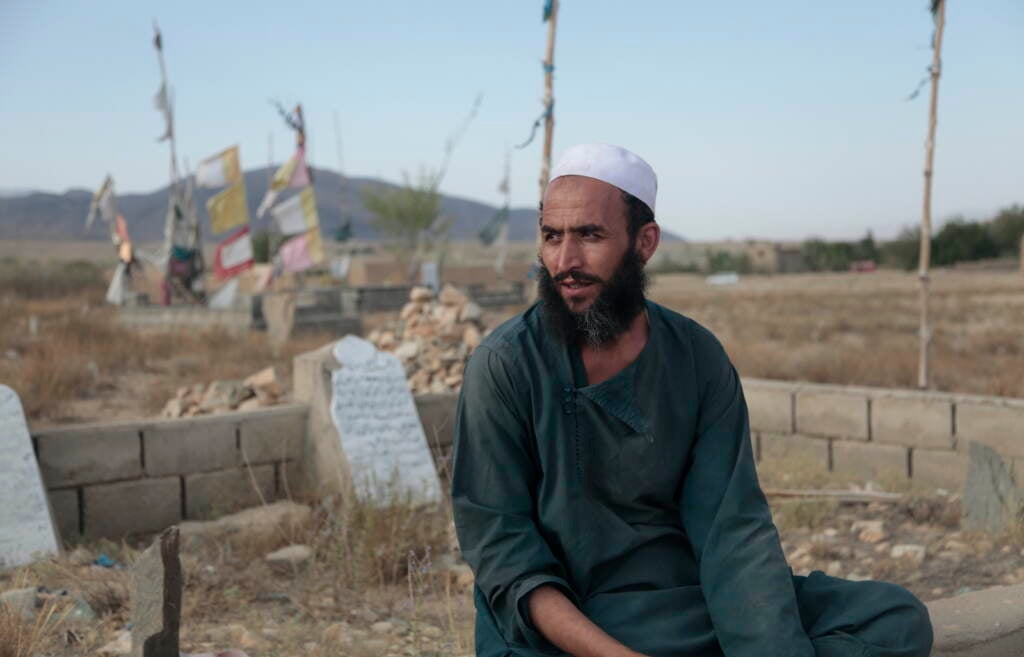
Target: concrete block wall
{"points": [[876, 432], [112, 480]]}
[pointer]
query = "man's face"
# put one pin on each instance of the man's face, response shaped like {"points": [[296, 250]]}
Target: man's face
{"points": [[583, 237]]}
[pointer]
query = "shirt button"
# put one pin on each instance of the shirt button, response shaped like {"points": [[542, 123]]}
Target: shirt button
{"points": [[567, 407], [567, 389]]}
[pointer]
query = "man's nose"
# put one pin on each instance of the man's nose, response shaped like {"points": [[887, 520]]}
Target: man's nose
{"points": [[570, 256]]}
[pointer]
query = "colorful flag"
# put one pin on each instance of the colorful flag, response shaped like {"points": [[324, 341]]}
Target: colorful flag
{"points": [[219, 170], [228, 208], [297, 214], [104, 203], [292, 173], [301, 252], [234, 254], [547, 10]]}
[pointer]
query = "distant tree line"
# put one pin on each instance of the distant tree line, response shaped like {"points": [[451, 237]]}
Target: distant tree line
{"points": [[959, 240]]}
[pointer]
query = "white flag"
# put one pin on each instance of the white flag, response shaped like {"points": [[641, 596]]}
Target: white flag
{"points": [[236, 252], [219, 170], [297, 214]]}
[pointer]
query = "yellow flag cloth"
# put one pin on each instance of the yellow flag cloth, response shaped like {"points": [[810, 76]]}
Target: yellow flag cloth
{"points": [[219, 170], [228, 208], [297, 214]]}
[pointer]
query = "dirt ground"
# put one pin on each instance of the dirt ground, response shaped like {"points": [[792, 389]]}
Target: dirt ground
{"points": [[385, 585]]}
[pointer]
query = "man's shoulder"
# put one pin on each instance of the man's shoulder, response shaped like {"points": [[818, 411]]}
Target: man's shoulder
{"points": [[511, 338]]}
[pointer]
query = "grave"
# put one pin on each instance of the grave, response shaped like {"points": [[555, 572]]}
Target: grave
{"points": [[27, 529], [992, 501], [156, 598], [375, 415]]}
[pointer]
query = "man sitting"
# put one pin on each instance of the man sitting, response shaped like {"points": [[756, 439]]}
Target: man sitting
{"points": [[604, 487]]}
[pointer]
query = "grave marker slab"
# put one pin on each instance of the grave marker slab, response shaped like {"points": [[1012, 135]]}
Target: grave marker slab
{"points": [[26, 524], [156, 598], [381, 435]]}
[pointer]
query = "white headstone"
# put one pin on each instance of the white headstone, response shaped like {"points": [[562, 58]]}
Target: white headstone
{"points": [[381, 435], [26, 527]]}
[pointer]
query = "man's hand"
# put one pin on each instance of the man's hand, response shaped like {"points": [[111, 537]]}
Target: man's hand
{"points": [[564, 625]]}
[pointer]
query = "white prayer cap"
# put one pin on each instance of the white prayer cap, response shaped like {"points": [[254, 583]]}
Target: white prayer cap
{"points": [[613, 165]]}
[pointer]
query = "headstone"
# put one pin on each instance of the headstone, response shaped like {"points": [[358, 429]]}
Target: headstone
{"points": [[156, 598], [26, 524], [381, 435], [224, 297], [991, 499]]}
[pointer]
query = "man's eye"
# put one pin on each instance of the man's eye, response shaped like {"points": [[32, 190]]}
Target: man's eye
{"points": [[550, 237]]}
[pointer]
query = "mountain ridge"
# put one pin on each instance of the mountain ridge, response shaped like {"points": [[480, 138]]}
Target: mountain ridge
{"points": [[61, 215]]}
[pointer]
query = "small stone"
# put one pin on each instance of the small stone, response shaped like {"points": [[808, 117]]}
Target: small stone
{"points": [[452, 296], [121, 645], [834, 568], [421, 294], [830, 532], [431, 631], [336, 633], [871, 536], [289, 558], [250, 404], [382, 627], [408, 350], [471, 337], [266, 380], [174, 408], [410, 309], [915, 553], [471, 312]]}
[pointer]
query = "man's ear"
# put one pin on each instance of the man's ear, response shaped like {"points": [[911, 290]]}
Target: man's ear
{"points": [[647, 240]]}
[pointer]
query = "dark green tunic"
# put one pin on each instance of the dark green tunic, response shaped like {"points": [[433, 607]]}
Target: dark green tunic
{"points": [[637, 497]]}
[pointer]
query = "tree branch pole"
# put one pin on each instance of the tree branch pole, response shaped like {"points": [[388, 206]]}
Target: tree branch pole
{"points": [[549, 99], [923, 373]]}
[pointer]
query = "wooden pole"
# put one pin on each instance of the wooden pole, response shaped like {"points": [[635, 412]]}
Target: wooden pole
{"points": [[923, 373], [549, 99]]}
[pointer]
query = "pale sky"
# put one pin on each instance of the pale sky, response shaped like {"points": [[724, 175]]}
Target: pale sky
{"points": [[778, 120]]}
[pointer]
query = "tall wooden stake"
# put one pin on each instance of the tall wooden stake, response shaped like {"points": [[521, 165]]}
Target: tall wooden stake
{"points": [[549, 99], [923, 373]]}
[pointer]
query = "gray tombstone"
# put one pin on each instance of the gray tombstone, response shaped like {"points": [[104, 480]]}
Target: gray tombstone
{"points": [[992, 500], [156, 598], [27, 530], [381, 435]]}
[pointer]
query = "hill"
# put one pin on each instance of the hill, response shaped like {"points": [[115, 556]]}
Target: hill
{"points": [[42, 215]]}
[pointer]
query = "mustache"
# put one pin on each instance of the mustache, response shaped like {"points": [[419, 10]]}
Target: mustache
{"points": [[578, 276]]}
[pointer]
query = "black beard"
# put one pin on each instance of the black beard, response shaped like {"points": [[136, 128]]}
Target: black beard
{"points": [[621, 299]]}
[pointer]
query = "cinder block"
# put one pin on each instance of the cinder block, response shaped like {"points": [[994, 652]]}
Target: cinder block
{"points": [[945, 469], [131, 507], [770, 406], [64, 503], [914, 421], [89, 455], [824, 412], [188, 446], [291, 480], [1000, 426], [273, 434], [437, 415], [795, 448], [211, 494], [868, 460]]}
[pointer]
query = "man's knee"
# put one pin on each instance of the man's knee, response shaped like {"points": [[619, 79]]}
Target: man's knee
{"points": [[908, 616]]}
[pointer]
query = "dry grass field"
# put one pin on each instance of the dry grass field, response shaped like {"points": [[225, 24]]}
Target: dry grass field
{"points": [[862, 328], [80, 365]]}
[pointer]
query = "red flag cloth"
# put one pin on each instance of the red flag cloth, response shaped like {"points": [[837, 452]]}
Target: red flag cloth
{"points": [[234, 254]]}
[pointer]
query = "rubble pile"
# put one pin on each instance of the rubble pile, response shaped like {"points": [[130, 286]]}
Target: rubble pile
{"points": [[263, 388], [433, 338]]}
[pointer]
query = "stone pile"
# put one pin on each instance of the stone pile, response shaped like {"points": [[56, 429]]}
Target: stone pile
{"points": [[433, 338], [263, 388]]}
